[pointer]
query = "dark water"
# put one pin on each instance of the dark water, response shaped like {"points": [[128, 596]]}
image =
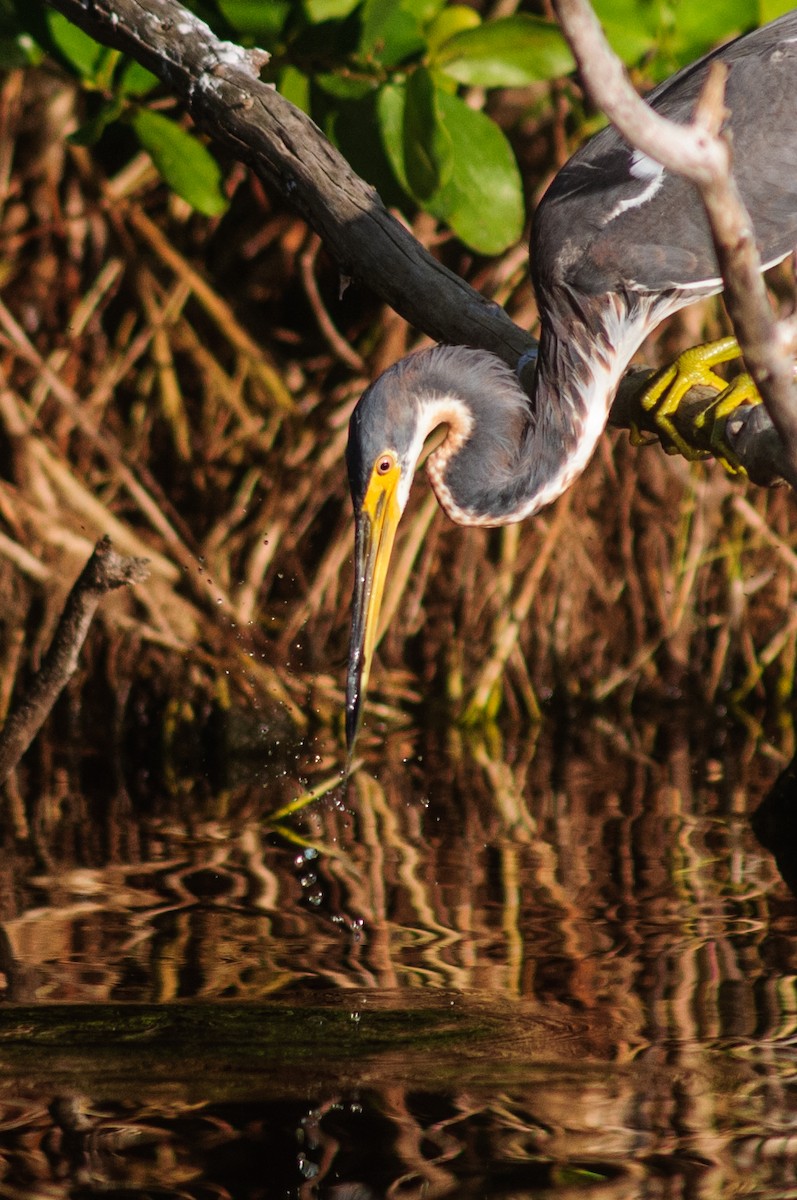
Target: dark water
{"points": [[555, 965]]}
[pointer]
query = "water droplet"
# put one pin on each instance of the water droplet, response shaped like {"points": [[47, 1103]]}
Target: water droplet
{"points": [[307, 1168]]}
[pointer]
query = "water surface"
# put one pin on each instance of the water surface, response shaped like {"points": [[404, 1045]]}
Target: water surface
{"points": [[552, 965]]}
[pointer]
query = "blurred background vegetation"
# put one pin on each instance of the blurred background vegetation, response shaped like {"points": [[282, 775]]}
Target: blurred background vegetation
{"points": [[180, 360]]}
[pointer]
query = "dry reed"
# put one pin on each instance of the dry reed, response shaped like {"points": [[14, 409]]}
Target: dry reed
{"points": [[185, 384]]}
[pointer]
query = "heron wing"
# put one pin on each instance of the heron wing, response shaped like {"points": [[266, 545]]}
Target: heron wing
{"points": [[612, 220]]}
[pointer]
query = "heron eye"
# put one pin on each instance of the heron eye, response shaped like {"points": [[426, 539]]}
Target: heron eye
{"points": [[384, 465]]}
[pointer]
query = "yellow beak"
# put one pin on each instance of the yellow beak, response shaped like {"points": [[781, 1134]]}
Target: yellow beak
{"points": [[375, 530]]}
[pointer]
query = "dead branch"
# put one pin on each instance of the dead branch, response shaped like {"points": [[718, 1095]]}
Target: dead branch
{"points": [[702, 154], [104, 571]]}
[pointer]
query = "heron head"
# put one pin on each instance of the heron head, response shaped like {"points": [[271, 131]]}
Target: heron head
{"points": [[386, 438], [469, 410]]}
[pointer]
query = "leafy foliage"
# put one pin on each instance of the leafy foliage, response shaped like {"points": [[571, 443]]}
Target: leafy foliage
{"points": [[183, 162], [399, 63]]}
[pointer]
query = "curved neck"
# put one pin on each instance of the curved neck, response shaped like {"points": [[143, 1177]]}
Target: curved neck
{"points": [[520, 455]]}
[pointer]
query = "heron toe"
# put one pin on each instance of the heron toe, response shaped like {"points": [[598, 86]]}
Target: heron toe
{"points": [[740, 391], [670, 385]]}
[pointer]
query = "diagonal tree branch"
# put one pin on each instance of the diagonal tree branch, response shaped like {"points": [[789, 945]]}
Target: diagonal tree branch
{"points": [[219, 85]]}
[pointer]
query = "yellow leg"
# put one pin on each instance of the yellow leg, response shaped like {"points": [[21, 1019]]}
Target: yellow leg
{"points": [[668, 387]]}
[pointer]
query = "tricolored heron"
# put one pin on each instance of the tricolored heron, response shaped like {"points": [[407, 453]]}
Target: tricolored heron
{"points": [[618, 244]]}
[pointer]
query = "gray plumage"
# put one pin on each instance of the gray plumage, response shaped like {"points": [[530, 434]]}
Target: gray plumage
{"points": [[665, 243]]}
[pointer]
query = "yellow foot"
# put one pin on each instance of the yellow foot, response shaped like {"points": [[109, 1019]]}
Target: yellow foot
{"points": [[739, 391], [668, 387]]}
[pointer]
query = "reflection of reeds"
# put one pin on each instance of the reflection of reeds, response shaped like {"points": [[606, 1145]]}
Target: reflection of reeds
{"points": [[587, 869], [596, 891], [185, 387]]}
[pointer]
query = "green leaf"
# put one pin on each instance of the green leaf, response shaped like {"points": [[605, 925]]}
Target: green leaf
{"points": [[426, 144], [391, 32], [135, 80], [451, 20], [294, 85], [632, 26], [344, 87], [698, 28], [261, 20], [183, 162], [424, 11], [390, 105], [81, 51], [668, 34], [354, 127], [483, 199], [509, 52], [92, 130], [769, 9], [329, 10]]}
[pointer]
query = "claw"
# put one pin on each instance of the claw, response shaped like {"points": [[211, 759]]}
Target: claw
{"points": [[739, 391], [669, 386], [636, 436]]}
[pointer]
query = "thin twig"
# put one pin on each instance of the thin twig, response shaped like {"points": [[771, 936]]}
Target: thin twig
{"points": [[104, 571], [334, 339]]}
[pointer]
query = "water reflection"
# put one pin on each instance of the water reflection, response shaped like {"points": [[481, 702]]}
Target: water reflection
{"points": [[598, 893], [613, 1133], [393, 1143]]}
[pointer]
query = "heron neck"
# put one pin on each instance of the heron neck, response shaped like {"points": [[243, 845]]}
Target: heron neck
{"points": [[578, 370]]}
